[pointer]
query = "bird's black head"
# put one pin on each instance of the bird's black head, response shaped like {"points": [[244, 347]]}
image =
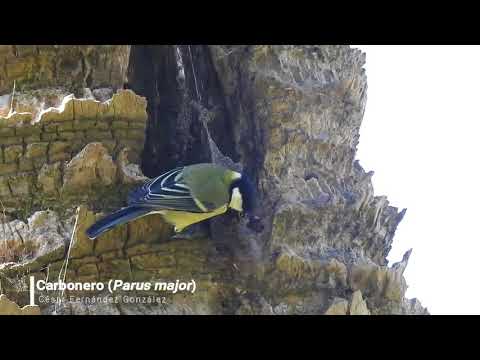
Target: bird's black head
{"points": [[242, 194]]}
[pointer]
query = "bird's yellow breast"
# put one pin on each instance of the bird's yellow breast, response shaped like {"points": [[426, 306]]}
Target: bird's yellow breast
{"points": [[181, 219]]}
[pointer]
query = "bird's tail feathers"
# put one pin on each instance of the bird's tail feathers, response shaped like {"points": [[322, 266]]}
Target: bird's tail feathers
{"points": [[117, 218]]}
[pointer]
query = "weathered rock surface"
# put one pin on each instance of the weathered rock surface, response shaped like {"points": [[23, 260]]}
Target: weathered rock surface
{"points": [[289, 116], [48, 153], [8, 307], [338, 306], [358, 306], [90, 167], [70, 66]]}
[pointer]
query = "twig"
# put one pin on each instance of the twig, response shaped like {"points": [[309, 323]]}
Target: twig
{"points": [[13, 97], [65, 263], [194, 76], [4, 220]]}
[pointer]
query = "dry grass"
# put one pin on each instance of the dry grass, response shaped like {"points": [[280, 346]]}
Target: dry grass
{"points": [[15, 251]]}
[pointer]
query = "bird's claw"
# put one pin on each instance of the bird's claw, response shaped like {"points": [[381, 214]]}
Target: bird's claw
{"points": [[255, 224], [190, 232]]}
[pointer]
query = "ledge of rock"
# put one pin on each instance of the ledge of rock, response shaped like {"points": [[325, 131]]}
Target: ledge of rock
{"points": [[8, 307], [70, 66], [45, 152]]}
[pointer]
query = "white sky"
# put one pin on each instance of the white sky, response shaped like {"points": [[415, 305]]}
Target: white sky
{"points": [[421, 136]]}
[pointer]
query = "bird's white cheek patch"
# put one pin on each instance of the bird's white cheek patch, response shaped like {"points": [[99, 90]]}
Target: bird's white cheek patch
{"points": [[236, 203]]}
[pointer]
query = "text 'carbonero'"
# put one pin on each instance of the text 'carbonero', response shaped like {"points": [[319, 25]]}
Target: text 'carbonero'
{"points": [[118, 285], [71, 286]]}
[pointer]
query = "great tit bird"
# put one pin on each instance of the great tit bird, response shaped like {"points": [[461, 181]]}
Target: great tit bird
{"points": [[184, 196]]}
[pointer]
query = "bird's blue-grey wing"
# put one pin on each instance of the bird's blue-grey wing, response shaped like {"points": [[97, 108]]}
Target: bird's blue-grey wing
{"points": [[167, 191]]}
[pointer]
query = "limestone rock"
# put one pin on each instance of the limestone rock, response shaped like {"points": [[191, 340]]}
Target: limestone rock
{"points": [[13, 153], [41, 235], [129, 172], [4, 187], [82, 245], [49, 178], [13, 232], [8, 307], [44, 232], [36, 150], [21, 184], [102, 94], [92, 166], [339, 306], [414, 307], [5, 102], [38, 100], [49, 126], [111, 240], [358, 306], [71, 66], [129, 106]]}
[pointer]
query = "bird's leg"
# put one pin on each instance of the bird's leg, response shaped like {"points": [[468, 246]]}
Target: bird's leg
{"points": [[255, 223]]}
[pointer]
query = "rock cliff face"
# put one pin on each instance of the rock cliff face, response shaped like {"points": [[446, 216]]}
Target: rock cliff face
{"points": [[289, 116]]}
